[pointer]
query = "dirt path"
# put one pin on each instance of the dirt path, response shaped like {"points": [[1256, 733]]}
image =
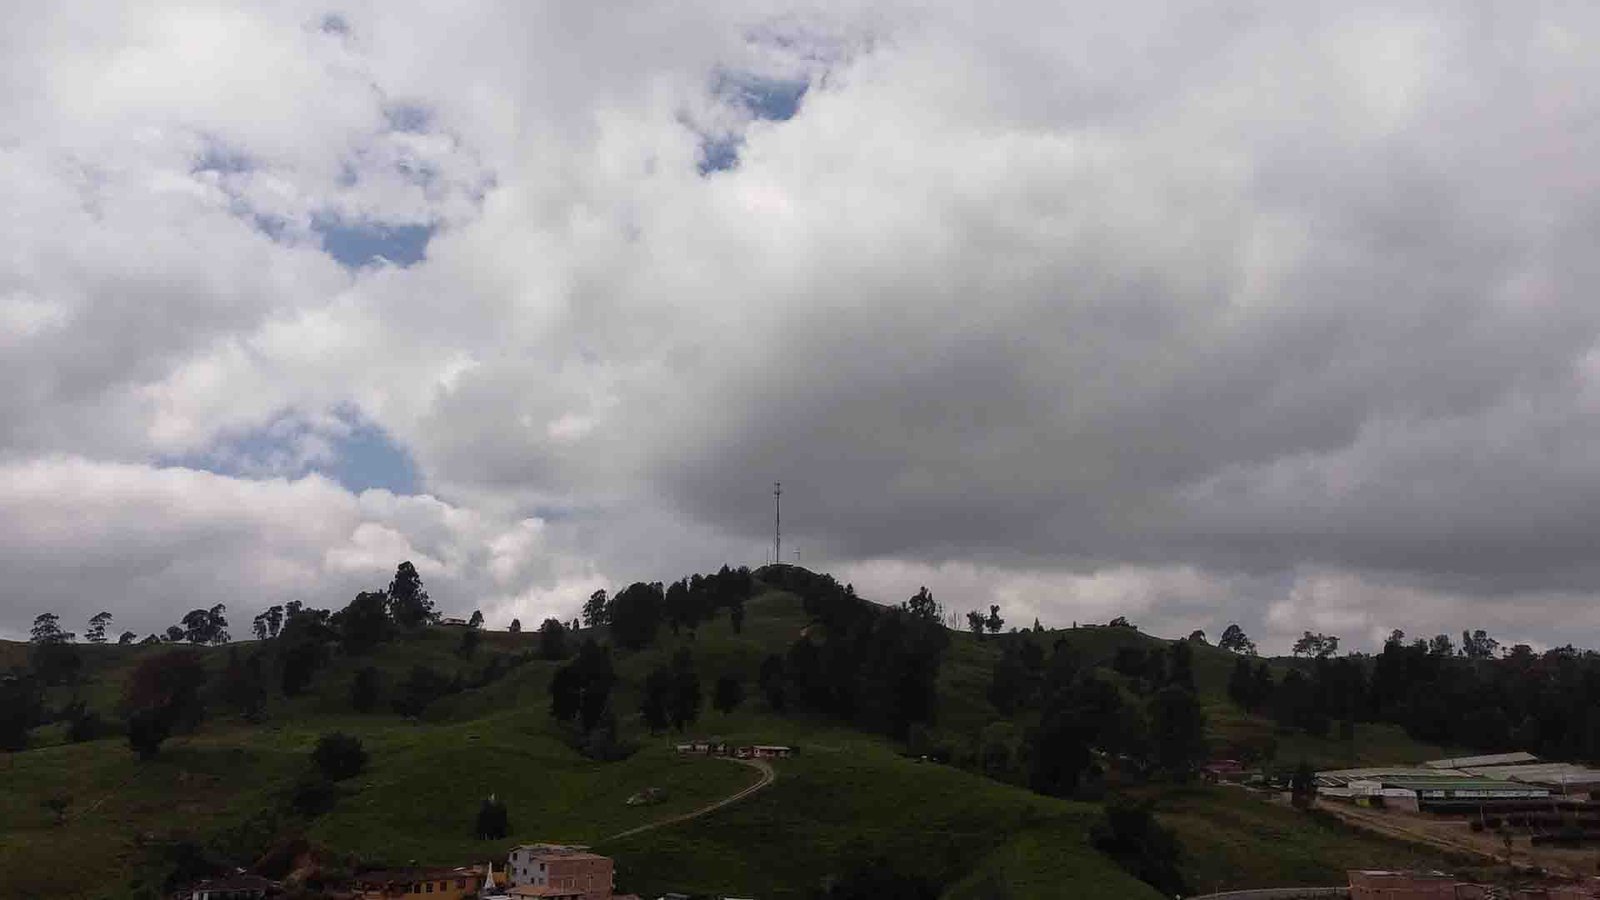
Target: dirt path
{"points": [[760, 765], [1455, 837]]}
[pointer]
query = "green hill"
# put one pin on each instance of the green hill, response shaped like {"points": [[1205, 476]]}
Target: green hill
{"points": [[848, 795]]}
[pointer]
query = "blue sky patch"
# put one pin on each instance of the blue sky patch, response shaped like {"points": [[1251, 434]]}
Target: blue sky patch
{"points": [[366, 243], [771, 99], [719, 154], [359, 456]]}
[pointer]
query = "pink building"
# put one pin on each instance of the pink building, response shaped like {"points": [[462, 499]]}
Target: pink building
{"points": [[559, 871]]}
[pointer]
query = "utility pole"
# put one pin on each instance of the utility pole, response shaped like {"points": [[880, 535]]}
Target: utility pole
{"points": [[777, 523]]}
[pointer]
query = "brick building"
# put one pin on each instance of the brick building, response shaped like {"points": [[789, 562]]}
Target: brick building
{"points": [[560, 871]]}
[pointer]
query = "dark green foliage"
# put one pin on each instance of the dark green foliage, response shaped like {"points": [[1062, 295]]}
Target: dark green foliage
{"points": [[409, 605], [684, 706], [21, 707], [244, 685], [163, 697], [872, 666], [924, 607], [1180, 665], [636, 614], [1319, 646], [516, 626], [656, 699], [994, 623], [313, 795], [469, 643], [1234, 639], [494, 821], [476, 621], [1017, 675], [364, 689], [552, 639], [174, 634], [147, 730], [1303, 784], [421, 686], [581, 689], [127, 638], [1177, 730], [1130, 834], [596, 610], [55, 662], [302, 646], [206, 626], [96, 632], [877, 879], [47, 630], [339, 756], [975, 622], [728, 695], [364, 623], [774, 682]]}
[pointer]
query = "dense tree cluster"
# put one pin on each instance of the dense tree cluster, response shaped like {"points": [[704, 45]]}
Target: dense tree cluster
{"points": [[1142, 714], [163, 697], [860, 662]]}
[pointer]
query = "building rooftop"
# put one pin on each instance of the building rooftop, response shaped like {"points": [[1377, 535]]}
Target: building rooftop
{"points": [[1473, 762], [559, 850]]}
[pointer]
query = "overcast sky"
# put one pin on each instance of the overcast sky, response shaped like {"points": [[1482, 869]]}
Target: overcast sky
{"points": [[1271, 312]]}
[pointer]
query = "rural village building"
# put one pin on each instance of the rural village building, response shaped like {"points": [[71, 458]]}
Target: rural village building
{"points": [[559, 872], [461, 883], [233, 887]]}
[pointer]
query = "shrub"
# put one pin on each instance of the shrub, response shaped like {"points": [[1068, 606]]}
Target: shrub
{"points": [[339, 756], [312, 796]]}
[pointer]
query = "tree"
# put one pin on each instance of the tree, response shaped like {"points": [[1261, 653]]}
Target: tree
{"points": [[312, 796], [364, 623], [654, 705], [1441, 646], [1178, 730], [1320, 646], [1303, 785], [1478, 645], [163, 696], [581, 689], [274, 617], [924, 607], [1120, 622], [729, 693], [994, 623], [364, 689], [21, 708], [244, 686], [1130, 835], [516, 626], [686, 699], [258, 626], [47, 630], [552, 639], [596, 610], [494, 821], [774, 684], [1235, 640], [635, 615], [127, 638], [206, 626], [96, 632], [421, 686], [469, 643], [409, 605], [174, 634], [1197, 636], [975, 622], [476, 620], [339, 756]]}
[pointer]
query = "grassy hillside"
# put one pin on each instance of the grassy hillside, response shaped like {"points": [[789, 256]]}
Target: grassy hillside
{"points": [[848, 795]]}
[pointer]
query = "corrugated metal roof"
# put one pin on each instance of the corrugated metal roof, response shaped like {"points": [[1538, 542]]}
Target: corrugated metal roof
{"points": [[1492, 759]]}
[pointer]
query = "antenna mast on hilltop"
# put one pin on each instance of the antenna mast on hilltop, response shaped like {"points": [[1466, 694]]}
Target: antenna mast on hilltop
{"points": [[777, 523]]}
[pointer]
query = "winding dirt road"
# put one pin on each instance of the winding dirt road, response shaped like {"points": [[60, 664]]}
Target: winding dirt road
{"points": [[760, 765]]}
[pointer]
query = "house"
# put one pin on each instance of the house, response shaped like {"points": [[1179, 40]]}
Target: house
{"points": [[545, 893], [570, 871], [440, 884], [233, 887], [770, 751]]}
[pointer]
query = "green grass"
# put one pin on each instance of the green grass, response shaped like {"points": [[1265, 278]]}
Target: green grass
{"points": [[847, 795]]}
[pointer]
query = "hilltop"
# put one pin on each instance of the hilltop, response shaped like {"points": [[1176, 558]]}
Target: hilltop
{"points": [[850, 793]]}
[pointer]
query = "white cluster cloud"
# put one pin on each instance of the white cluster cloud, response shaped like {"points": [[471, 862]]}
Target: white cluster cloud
{"points": [[1275, 314]]}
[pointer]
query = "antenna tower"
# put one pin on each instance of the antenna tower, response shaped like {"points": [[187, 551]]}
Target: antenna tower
{"points": [[777, 522]]}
